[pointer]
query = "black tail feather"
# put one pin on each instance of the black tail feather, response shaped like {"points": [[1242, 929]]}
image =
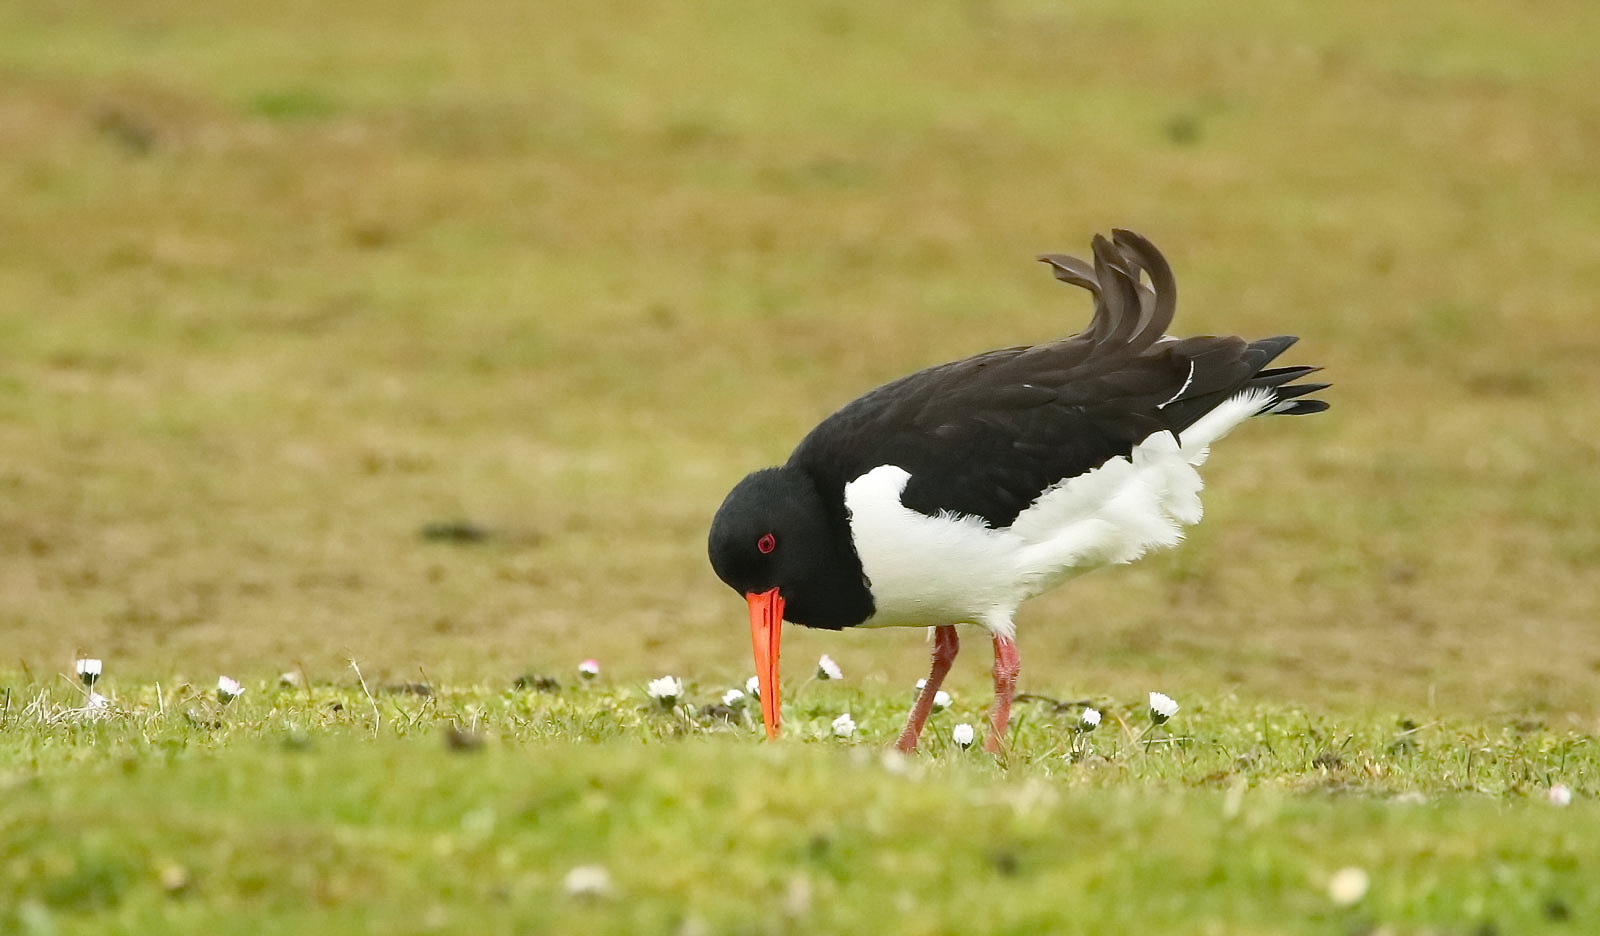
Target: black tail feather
{"points": [[1248, 372], [1278, 376], [1299, 408], [1297, 390], [1280, 380]]}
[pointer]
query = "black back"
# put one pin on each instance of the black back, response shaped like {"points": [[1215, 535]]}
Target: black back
{"points": [[984, 436]]}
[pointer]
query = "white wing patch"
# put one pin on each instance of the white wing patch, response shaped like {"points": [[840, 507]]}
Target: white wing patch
{"points": [[923, 570], [953, 569]]}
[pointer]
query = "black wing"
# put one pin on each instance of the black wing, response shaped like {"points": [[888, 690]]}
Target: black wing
{"points": [[986, 435]]}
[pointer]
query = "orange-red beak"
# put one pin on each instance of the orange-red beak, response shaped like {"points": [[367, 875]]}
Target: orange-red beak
{"points": [[766, 621]]}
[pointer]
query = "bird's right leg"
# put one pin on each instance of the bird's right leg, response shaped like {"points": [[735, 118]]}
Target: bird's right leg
{"points": [[945, 646]]}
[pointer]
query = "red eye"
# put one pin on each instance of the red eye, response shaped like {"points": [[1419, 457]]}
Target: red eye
{"points": [[766, 543]]}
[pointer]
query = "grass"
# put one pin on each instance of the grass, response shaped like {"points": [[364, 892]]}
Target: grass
{"points": [[430, 335], [326, 808]]}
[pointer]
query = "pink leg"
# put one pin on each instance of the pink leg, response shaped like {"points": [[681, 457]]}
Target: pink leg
{"points": [[945, 645], [1007, 664]]}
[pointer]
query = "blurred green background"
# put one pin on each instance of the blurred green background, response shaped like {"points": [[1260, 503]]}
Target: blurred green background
{"points": [[281, 285]]}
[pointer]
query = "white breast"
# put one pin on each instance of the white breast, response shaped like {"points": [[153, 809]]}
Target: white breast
{"points": [[950, 569]]}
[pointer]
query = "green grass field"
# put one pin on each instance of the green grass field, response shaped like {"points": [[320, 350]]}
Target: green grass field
{"points": [[331, 810], [286, 290]]}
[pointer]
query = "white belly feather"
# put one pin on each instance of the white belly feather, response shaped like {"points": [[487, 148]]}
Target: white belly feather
{"points": [[950, 569]]}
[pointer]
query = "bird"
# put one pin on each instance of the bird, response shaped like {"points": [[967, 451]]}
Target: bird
{"points": [[952, 495]]}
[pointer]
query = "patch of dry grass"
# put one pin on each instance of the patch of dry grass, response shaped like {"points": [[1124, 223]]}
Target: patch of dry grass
{"points": [[285, 284]]}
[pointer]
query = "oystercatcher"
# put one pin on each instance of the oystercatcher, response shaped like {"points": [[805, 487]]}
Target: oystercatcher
{"points": [[952, 495]]}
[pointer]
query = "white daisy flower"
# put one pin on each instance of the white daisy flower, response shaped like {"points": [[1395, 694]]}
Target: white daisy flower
{"points": [[1089, 720], [894, 762], [827, 669], [665, 690], [88, 671], [587, 881], [1348, 886], [921, 684], [1162, 708], [97, 701], [589, 669], [941, 700], [844, 726], [734, 698], [1560, 794], [752, 687], [962, 735], [228, 689]]}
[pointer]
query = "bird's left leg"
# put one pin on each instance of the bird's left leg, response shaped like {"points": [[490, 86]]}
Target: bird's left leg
{"points": [[1007, 664], [945, 645]]}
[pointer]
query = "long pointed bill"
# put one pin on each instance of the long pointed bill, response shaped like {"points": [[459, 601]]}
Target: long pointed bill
{"points": [[766, 621]]}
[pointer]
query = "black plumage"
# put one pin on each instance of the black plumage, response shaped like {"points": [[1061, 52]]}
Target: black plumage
{"points": [[985, 435]]}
